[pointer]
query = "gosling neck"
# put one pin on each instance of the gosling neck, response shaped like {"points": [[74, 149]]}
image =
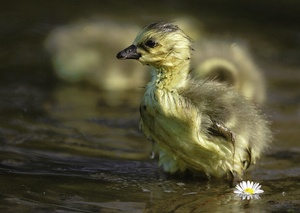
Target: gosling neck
{"points": [[171, 77]]}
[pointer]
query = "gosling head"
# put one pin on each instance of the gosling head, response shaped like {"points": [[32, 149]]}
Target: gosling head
{"points": [[159, 45]]}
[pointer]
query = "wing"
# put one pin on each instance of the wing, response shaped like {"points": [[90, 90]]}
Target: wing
{"points": [[218, 129]]}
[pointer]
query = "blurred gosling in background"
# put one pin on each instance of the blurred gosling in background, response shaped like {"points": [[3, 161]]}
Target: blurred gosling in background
{"points": [[82, 52], [201, 126], [232, 64]]}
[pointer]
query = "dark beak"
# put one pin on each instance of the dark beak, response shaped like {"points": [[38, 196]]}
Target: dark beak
{"points": [[129, 53]]}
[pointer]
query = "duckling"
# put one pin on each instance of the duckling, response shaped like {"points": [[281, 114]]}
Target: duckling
{"points": [[201, 126], [232, 64]]}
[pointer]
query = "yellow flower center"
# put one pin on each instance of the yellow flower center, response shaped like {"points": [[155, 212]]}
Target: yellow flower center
{"points": [[249, 191]]}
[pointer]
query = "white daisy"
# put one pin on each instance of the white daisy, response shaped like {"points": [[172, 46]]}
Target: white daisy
{"points": [[248, 190]]}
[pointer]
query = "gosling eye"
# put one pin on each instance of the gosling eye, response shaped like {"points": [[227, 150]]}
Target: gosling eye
{"points": [[150, 43]]}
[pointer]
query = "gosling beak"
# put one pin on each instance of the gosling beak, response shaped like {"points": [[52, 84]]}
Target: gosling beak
{"points": [[129, 53]]}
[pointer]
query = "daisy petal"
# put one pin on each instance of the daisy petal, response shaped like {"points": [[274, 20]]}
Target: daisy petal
{"points": [[244, 185], [239, 188], [259, 191], [250, 185], [255, 186]]}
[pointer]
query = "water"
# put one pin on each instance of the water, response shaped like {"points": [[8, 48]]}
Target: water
{"points": [[73, 147]]}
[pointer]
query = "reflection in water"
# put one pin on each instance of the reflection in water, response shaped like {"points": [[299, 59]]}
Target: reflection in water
{"points": [[74, 148]]}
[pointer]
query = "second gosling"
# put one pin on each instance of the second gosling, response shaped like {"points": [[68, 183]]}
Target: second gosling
{"points": [[230, 64], [200, 126]]}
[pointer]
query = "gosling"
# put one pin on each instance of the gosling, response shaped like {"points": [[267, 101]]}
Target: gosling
{"points": [[230, 63], [201, 126]]}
